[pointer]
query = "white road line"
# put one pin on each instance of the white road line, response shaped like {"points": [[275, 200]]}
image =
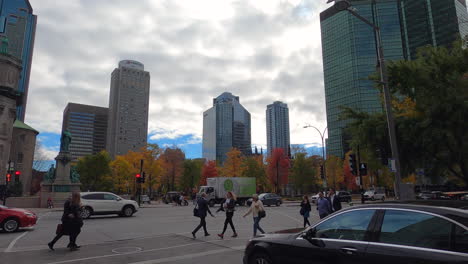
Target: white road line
{"points": [[188, 256], [149, 250], [12, 243]]}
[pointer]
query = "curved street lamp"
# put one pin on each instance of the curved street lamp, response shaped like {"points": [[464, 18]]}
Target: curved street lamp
{"points": [[322, 135]]}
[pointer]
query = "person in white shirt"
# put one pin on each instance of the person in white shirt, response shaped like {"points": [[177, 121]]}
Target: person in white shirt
{"points": [[255, 209]]}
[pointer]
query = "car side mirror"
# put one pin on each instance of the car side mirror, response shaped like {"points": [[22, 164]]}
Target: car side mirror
{"points": [[310, 236], [119, 199]]}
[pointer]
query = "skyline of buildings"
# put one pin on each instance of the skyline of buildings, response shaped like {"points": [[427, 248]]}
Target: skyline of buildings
{"points": [[88, 127], [277, 127], [226, 125], [349, 51], [128, 108], [18, 24]]}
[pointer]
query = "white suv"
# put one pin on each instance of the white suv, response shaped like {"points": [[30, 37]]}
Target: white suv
{"points": [[102, 203], [374, 195]]}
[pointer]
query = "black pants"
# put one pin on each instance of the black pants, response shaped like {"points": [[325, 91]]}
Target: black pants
{"points": [[73, 237], [323, 215], [202, 224], [306, 221], [228, 220]]}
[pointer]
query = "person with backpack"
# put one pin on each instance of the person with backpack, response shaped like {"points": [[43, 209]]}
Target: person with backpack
{"points": [[228, 206], [305, 210], [201, 210], [258, 212]]}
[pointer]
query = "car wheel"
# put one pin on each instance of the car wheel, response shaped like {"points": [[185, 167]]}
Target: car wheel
{"points": [[383, 198], [10, 225], [260, 258], [212, 203], [278, 203], [372, 199], [128, 211], [86, 212]]}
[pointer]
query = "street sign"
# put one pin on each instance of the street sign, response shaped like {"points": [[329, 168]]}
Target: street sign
{"points": [[363, 169], [392, 165], [358, 182], [420, 172]]}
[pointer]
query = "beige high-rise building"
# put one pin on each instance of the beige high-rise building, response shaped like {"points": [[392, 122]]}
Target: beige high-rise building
{"points": [[128, 108]]}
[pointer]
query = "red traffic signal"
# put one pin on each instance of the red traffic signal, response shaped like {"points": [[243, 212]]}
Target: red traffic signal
{"points": [[138, 175], [17, 173], [8, 177]]}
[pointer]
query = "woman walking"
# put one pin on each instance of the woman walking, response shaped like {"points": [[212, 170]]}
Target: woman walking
{"points": [[71, 222], [229, 206], [256, 208], [202, 209], [305, 210]]}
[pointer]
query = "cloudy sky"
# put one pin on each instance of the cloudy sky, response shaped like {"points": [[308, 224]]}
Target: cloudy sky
{"points": [[260, 50]]}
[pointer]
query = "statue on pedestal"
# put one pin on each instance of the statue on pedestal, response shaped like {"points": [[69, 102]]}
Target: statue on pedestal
{"points": [[74, 175], [65, 141]]}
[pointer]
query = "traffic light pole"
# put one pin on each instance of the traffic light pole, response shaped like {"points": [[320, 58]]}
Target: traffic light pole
{"points": [[139, 183], [5, 192]]}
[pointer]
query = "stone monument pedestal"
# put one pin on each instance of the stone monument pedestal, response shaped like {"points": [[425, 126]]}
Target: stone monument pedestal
{"points": [[61, 188]]}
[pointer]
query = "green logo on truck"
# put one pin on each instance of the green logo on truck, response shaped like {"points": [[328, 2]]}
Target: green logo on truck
{"points": [[228, 185]]}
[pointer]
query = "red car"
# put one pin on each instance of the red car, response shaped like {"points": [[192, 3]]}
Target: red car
{"points": [[13, 218]]}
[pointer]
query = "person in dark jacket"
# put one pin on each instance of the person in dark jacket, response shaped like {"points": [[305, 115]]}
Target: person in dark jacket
{"points": [[71, 222], [334, 200], [323, 206], [305, 210], [203, 209], [228, 206]]}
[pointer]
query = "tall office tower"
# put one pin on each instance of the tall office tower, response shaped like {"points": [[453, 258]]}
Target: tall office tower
{"points": [[128, 108], [18, 24], [277, 121], [88, 127], [226, 125], [349, 50]]}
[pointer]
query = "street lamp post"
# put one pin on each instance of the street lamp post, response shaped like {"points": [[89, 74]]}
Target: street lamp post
{"points": [[322, 135], [345, 5]]}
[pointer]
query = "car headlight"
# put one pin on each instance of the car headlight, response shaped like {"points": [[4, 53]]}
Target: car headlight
{"points": [[29, 214]]}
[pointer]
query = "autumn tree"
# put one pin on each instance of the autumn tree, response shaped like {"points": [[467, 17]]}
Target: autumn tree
{"points": [[303, 173], [209, 170], [334, 172], [191, 174], [254, 167], [121, 174], [173, 159], [152, 167], [278, 168], [232, 167], [95, 172]]}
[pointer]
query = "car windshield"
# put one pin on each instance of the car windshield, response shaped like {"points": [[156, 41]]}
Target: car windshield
{"points": [[262, 195]]}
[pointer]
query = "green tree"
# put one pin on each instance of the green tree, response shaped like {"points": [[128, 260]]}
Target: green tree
{"points": [[303, 173], [254, 167], [191, 174], [95, 172], [430, 106]]}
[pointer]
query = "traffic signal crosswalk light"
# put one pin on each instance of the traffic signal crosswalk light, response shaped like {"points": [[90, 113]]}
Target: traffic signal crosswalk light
{"points": [[352, 164]]}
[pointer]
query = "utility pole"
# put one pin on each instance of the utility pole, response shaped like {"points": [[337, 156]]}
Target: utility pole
{"points": [[139, 183]]}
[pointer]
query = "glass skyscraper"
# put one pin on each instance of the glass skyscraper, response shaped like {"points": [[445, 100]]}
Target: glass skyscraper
{"points": [[277, 123], [349, 50], [88, 127], [18, 24], [226, 125]]}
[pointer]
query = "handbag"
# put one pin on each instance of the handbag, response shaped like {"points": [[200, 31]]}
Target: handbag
{"points": [[302, 211], [195, 211], [261, 213], [59, 229]]}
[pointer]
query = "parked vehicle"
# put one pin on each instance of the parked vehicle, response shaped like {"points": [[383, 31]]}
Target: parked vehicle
{"points": [[268, 199], [424, 195], [217, 188], [344, 197], [171, 197], [105, 203], [455, 195], [464, 198], [314, 198], [375, 194], [11, 219], [145, 199], [388, 234]]}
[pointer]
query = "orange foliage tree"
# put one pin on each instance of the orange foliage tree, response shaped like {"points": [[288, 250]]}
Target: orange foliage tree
{"points": [[172, 163], [278, 168], [209, 170], [233, 165]]}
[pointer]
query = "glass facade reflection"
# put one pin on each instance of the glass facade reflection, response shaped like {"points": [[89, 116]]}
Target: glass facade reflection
{"points": [[226, 125], [18, 24], [349, 50]]}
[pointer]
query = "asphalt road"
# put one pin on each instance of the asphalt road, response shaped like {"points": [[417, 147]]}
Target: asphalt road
{"points": [[157, 234]]}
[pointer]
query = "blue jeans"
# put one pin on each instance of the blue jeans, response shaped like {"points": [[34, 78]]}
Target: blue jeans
{"points": [[257, 225]]}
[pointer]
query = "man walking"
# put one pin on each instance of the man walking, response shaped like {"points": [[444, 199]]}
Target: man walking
{"points": [[323, 206], [202, 210], [334, 201]]}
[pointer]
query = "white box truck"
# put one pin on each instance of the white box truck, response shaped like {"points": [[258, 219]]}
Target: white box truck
{"points": [[217, 188]]}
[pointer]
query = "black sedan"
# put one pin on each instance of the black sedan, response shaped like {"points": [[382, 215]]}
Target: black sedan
{"points": [[345, 197], [384, 233], [268, 199]]}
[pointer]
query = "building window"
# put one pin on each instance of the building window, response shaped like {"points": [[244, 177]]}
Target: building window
{"points": [[20, 157]]}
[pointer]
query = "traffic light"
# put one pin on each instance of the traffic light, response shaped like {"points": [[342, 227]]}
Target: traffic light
{"points": [[363, 169], [352, 164], [138, 177], [143, 177], [322, 175], [8, 177]]}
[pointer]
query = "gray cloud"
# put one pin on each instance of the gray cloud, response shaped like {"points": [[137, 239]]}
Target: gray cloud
{"points": [[262, 51]]}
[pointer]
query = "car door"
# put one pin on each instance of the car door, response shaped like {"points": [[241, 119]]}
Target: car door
{"points": [[342, 238], [95, 201], [417, 237], [111, 203]]}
